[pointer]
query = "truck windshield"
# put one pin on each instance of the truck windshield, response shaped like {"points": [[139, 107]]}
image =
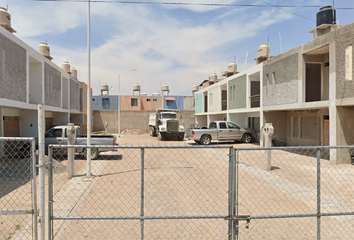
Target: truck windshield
{"points": [[168, 115]]}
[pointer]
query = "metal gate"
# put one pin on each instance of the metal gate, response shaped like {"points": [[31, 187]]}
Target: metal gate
{"points": [[144, 192], [18, 198], [303, 196]]}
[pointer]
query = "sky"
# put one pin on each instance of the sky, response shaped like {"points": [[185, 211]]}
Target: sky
{"points": [[175, 44]]}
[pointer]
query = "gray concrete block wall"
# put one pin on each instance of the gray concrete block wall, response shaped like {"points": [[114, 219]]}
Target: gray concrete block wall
{"points": [[239, 99], [188, 103], [74, 95], [52, 86], [13, 80], [285, 68], [345, 38], [134, 120]]}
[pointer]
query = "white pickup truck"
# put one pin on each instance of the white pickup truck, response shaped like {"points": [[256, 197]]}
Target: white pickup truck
{"points": [[221, 130], [58, 135]]}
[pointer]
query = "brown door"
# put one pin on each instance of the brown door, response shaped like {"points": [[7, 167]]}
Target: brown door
{"points": [[326, 131], [11, 127], [48, 123]]}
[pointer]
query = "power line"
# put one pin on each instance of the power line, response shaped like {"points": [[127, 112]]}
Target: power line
{"points": [[193, 4], [281, 8]]}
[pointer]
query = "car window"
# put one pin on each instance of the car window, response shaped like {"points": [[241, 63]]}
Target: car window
{"points": [[212, 125], [233, 125], [54, 133], [222, 125]]}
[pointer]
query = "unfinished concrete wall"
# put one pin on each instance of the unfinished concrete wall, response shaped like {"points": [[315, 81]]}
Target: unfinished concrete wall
{"points": [[12, 70], [345, 133], [133, 120], [280, 79], [188, 103], [52, 86], [344, 38], [278, 119], [77, 119], [75, 94], [237, 92], [306, 128]]}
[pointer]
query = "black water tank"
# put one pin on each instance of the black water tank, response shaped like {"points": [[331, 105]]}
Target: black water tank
{"points": [[326, 15]]}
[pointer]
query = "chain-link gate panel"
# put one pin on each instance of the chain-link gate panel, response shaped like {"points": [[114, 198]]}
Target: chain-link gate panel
{"points": [[18, 207], [143, 193], [302, 196]]}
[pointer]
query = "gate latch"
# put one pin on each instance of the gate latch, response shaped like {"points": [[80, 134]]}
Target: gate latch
{"points": [[246, 218]]}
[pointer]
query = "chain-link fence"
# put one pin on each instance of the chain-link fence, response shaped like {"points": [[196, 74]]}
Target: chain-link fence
{"points": [[18, 203], [171, 192], [181, 192], [302, 196]]}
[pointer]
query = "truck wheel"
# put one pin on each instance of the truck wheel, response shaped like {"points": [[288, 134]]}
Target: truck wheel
{"points": [[205, 140], [246, 138], [161, 136], [152, 131], [94, 153]]}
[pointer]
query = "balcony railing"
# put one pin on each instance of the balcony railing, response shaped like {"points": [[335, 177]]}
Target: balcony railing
{"points": [[255, 100]]}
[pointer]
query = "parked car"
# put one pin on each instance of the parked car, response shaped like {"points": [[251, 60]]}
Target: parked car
{"points": [[58, 135], [221, 131]]}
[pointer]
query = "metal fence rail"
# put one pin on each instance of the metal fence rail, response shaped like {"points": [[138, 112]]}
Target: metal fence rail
{"points": [[18, 195], [187, 192], [143, 192]]}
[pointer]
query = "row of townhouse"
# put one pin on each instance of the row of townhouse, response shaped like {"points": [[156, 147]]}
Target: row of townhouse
{"points": [[29, 78], [307, 93], [135, 110]]}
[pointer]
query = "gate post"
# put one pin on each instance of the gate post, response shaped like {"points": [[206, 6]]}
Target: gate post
{"points": [[233, 228], [70, 133], [50, 192], [41, 171]]}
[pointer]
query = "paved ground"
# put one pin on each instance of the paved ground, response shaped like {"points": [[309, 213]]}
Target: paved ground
{"points": [[180, 182]]}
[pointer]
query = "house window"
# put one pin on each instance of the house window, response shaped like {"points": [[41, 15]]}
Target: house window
{"points": [[349, 63], [148, 99], [169, 103], [154, 100], [267, 86], [134, 102], [273, 83], [105, 103], [2, 64]]}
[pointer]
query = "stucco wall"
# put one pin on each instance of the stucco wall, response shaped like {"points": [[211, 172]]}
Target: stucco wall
{"points": [[238, 99], [173, 104], [13, 80], [214, 99], [97, 103], [345, 38], [199, 102], [52, 86], [285, 69]]}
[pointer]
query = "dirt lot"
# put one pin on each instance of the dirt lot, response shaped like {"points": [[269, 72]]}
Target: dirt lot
{"points": [[186, 183]]}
